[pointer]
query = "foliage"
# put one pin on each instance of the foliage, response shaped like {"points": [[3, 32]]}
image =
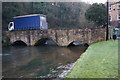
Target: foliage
{"points": [[59, 14], [97, 14], [5, 41], [99, 61]]}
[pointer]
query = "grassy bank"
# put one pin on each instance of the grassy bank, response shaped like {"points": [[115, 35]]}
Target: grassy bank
{"points": [[99, 61]]}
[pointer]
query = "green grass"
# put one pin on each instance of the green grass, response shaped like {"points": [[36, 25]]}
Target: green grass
{"points": [[99, 61]]}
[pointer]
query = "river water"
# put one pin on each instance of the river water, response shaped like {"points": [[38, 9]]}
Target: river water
{"points": [[39, 61]]}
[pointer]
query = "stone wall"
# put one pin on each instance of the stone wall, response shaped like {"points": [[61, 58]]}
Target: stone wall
{"points": [[63, 37]]}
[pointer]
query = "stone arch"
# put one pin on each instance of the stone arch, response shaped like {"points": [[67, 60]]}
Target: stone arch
{"points": [[42, 41], [19, 43], [77, 43], [86, 44]]}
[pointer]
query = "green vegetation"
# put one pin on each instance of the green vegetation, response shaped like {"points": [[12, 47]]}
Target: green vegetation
{"points": [[5, 41], [99, 61], [59, 14], [97, 14]]}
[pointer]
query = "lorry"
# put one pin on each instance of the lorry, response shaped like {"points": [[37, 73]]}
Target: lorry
{"points": [[28, 22]]}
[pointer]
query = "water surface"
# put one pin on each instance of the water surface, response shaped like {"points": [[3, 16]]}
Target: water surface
{"points": [[39, 61]]}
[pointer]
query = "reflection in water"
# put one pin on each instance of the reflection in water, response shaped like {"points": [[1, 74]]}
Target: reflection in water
{"points": [[40, 61]]}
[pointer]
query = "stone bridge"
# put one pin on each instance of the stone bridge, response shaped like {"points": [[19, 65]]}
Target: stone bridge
{"points": [[63, 37]]}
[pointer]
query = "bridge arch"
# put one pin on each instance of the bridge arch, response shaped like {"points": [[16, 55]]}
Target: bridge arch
{"points": [[45, 41], [77, 43], [19, 43]]}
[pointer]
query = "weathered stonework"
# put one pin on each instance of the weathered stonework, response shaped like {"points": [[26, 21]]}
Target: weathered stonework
{"points": [[63, 37]]}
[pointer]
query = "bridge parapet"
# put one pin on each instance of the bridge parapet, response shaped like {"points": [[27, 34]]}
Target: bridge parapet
{"points": [[61, 37]]}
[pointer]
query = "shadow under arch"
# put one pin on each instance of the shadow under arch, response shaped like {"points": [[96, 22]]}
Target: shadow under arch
{"points": [[19, 43], [77, 43], [45, 41]]}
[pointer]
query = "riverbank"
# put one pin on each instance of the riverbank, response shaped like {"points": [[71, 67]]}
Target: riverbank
{"points": [[99, 61]]}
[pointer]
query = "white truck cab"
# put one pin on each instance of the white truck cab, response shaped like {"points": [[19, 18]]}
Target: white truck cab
{"points": [[43, 23], [11, 26]]}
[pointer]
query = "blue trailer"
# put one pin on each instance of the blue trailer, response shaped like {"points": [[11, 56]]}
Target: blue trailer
{"points": [[28, 22]]}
